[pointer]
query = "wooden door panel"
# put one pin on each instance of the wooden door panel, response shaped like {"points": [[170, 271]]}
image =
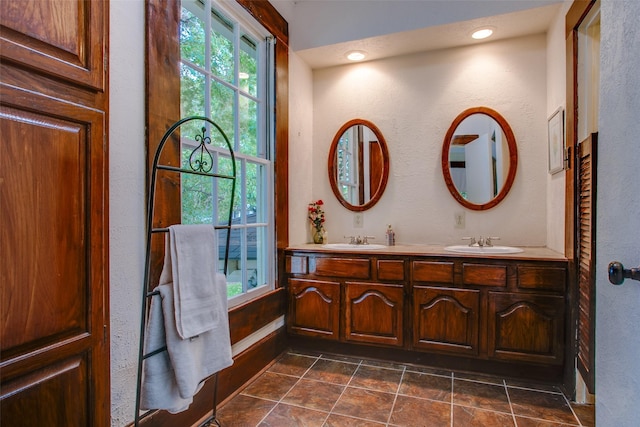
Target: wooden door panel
{"points": [[53, 271], [314, 308], [44, 196], [44, 396], [374, 312], [58, 37], [446, 319], [526, 327]]}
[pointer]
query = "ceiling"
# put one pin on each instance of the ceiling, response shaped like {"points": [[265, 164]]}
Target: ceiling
{"points": [[326, 54]]}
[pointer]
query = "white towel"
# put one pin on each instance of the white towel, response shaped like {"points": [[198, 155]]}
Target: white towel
{"points": [[159, 387], [190, 265], [172, 378]]}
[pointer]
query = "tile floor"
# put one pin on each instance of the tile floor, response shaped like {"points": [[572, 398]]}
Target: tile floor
{"points": [[301, 389]]}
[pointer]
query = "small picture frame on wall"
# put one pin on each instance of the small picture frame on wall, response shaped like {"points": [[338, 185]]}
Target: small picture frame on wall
{"points": [[556, 141]]}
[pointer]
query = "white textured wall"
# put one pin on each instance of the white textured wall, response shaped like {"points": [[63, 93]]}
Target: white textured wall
{"points": [[618, 218], [127, 169], [556, 97], [413, 100], [301, 161]]}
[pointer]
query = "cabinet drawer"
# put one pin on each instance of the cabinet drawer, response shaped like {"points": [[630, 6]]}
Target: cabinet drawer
{"points": [[484, 275], [431, 271], [545, 278], [390, 269], [353, 268]]}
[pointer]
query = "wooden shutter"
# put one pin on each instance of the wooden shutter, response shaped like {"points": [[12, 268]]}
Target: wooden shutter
{"points": [[585, 250]]}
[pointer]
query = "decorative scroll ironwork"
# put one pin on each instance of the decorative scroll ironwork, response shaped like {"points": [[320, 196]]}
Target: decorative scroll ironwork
{"points": [[201, 159]]}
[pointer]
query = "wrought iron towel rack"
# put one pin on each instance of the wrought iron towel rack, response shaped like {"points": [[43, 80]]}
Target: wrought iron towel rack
{"points": [[201, 162]]}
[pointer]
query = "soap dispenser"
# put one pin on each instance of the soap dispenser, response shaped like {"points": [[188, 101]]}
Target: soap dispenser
{"points": [[390, 236]]}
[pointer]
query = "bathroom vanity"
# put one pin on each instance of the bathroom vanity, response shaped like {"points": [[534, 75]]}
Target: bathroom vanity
{"points": [[501, 313]]}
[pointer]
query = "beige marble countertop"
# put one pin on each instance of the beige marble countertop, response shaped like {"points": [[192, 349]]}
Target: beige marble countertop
{"points": [[529, 252]]}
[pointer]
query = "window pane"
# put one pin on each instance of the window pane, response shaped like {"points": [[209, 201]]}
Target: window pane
{"points": [[222, 62], [235, 264], [192, 38], [222, 100], [256, 198], [256, 257], [248, 112], [224, 191], [197, 197], [192, 84], [248, 75]]}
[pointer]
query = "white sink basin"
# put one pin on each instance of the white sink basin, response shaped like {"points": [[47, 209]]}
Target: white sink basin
{"points": [[466, 249], [349, 246]]}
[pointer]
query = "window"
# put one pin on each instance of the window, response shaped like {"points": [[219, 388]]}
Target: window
{"points": [[226, 73]]}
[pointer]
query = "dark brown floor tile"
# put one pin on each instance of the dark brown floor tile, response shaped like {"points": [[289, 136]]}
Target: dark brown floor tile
{"points": [[341, 358], [586, 414], [481, 395], [414, 412], [531, 422], [292, 364], [380, 379], [292, 416], [366, 404], [489, 379], [383, 364], [429, 370], [426, 386], [270, 386], [464, 416], [343, 421], [305, 352], [314, 395], [332, 371], [244, 411], [533, 385], [541, 405]]}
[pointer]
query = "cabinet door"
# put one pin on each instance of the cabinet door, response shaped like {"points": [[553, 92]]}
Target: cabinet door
{"points": [[526, 327], [446, 319], [314, 308], [373, 313]]}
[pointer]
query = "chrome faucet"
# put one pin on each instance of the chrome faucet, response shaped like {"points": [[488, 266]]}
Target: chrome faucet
{"points": [[481, 242], [357, 240]]}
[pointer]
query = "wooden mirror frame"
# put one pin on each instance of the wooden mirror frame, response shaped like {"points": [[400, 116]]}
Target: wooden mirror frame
{"points": [[513, 158], [333, 167]]}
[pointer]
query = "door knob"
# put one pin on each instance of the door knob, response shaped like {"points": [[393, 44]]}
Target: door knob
{"points": [[617, 273]]}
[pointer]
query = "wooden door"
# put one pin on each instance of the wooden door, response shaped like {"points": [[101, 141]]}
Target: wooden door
{"points": [[526, 327], [314, 308], [585, 254], [446, 319], [54, 347], [374, 313]]}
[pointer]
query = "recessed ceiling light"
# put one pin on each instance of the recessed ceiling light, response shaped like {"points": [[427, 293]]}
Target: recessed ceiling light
{"points": [[356, 55], [482, 33]]}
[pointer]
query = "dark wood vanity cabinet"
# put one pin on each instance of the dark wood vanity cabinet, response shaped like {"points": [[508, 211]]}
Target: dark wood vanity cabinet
{"points": [[502, 310]]}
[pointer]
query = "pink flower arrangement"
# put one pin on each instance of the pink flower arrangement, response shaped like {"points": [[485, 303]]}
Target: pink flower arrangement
{"points": [[316, 215]]}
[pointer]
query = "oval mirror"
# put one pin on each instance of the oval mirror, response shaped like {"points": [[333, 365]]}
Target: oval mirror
{"points": [[479, 158], [358, 165]]}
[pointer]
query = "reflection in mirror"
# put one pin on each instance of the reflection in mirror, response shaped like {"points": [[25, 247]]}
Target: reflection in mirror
{"points": [[358, 165], [479, 158]]}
